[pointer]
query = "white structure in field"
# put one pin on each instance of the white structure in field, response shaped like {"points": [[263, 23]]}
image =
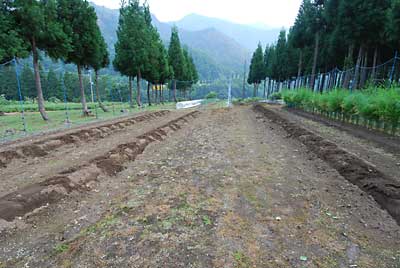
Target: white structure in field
{"points": [[188, 104]]}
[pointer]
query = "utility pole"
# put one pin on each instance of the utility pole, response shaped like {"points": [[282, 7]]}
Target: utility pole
{"points": [[244, 80]]}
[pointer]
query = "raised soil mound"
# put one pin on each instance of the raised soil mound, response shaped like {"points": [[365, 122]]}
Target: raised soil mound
{"points": [[53, 189], [384, 189], [42, 148]]}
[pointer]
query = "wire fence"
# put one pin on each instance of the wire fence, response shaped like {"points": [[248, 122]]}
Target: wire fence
{"points": [[19, 115], [386, 74]]}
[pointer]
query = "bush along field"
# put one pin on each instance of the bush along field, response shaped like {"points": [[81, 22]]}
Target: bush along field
{"points": [[377, 109]]}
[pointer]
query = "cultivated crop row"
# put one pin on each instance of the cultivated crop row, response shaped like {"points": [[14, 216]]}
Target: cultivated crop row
{"points": [[373, 108]]}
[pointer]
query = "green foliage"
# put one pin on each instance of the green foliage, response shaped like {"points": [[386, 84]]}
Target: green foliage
{"points": [[3, 100], [212, 95], [11, 43], [206, 220], [61, 248], [157, 69], [54, 99], [40, 27], [257, 67], [247, 100], [134, 37], [80, 24], [181, 63], [334, 31], [175, 56], [276, 96], [374, 104]]}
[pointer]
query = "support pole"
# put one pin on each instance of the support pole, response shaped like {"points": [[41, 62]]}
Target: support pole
{"points": [[393, 68], [21, 100], [67, 121]]}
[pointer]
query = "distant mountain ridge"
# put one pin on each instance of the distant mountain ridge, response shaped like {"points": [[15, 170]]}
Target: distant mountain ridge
{"points": [[216, 53], [247, 35]]}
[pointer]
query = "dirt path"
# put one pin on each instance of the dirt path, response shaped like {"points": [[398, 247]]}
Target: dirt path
{"points": [[227, 190]]}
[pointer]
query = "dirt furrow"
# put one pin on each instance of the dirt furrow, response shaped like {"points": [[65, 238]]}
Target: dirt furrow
{"points": [[384, 189], [45, 146], [380, 139], [54, 188]]}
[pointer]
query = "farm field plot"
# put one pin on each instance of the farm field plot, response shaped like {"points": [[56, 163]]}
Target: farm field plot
{"points": [[200, 188]]}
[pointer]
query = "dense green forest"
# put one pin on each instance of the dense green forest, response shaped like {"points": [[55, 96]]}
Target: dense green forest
{"points": [[68, 31], [330, 34]]}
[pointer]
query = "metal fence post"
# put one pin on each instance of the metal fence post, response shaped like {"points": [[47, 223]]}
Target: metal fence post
{"points": [[21, 101]]}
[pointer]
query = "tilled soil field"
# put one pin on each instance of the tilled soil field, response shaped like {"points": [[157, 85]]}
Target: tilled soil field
{"points": [[220, 188]]}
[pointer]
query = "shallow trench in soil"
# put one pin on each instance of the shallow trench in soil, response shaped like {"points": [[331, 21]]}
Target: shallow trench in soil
{"points": [[228, 188], [36, 195]]}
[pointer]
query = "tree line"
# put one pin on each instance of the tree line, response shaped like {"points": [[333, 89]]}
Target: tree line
{"points": [[67, 30], [141, 54], [329, 34], [62, 29]]}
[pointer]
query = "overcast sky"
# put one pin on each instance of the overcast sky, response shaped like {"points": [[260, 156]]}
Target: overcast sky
{"points": [[274, 13]]}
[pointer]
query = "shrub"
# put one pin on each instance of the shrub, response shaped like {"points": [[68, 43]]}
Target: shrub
{"points": [[212, 95], [276, 96], [3, 100], [54, 100]]}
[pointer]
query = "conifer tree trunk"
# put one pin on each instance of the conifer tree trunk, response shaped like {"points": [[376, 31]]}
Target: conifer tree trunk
{"points": [[162, 94], [157, 95], [130, 92], [374, 65], [85, 110], [255, 90], [96, 81], [357, 69], [38, 82], [364, 70], [138, 97], [265, 88], [148, 93], [314, 67], [346, 82], [175, 91], [300, 66]]}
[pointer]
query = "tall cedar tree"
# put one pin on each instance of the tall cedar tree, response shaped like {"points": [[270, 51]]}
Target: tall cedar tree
{"points": [[165, 70], [131, 49], [266, 57], [361, 22], [39, 26], [190, 72], [393, 25], [176, 59], [11, 43], [298, 35], [80, 23], [257, 69], [101, 60], [316, 25], [280, 59], [151, 72]]}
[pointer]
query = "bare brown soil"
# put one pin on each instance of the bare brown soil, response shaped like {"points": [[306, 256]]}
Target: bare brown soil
{"points": [[384, 189], [41, 147], [388, 142], [52, 189], [229, 188]]}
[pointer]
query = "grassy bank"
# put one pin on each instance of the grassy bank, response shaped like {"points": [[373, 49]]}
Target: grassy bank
{"points": [[11, 125]]}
